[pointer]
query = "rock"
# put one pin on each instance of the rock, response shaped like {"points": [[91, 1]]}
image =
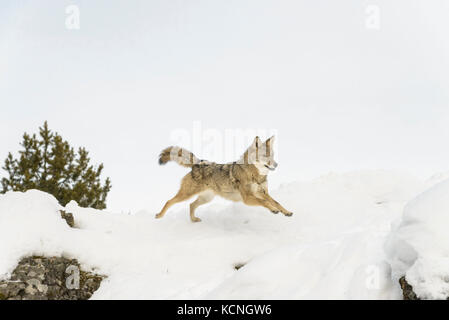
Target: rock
{"points": [[239, 265], [68, 217], [11, 289], [407, 290], [54, 278], [34, 285]]}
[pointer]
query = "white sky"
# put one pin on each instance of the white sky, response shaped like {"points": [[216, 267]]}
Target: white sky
{"points": [[340, 96]]}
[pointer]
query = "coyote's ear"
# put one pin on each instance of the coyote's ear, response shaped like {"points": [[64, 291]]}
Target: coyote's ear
{"points": [[270, 140], [257, 141]]}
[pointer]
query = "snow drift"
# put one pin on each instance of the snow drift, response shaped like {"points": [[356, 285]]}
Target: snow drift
{"points": [[332, 247], [419, 246]]}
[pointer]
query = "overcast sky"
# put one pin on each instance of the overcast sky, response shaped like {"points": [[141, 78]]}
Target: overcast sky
{"points": [[343, 91]]}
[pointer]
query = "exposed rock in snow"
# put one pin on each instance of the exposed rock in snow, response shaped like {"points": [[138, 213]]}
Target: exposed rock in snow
{"points": [[40, 278], [407, 290], [68, 217], [239, 265]]}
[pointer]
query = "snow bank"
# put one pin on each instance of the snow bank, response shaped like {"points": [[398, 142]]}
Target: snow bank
{"points": [[332, 247], [419, 246], [29, 224]]}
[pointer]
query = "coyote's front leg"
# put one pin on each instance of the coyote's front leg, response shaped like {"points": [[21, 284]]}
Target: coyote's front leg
{"points": [[253, 200], [277, 205], [256, 196]]}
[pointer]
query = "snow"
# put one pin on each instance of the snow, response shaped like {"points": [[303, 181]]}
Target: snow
{"points": [[419, 245], [331, 248]]}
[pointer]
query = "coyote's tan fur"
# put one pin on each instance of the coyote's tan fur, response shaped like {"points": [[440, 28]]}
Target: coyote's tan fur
{"points": [[244, 180]]}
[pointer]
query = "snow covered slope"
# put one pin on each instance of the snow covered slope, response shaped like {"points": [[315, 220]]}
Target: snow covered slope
{"points": [[332, 247], [419, 246]]}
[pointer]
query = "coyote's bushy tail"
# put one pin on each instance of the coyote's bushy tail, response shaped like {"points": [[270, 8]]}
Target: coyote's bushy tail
{"points": [[181, 156]]}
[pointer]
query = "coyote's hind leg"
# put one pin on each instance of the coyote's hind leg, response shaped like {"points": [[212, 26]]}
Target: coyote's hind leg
{"points": [[172, 201], [203, 198], [187, 190]]}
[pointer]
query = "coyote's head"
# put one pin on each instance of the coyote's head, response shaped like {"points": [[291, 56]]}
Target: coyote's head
{"points": [[260, 154]]}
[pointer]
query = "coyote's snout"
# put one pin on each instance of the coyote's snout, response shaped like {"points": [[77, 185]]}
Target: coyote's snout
{"points": [[244, 180]]}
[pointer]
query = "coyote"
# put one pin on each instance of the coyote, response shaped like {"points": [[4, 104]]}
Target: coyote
{"points": [[244, 180]]}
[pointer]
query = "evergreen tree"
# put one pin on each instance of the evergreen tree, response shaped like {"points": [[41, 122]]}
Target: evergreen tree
{"points": [[48, 163]]}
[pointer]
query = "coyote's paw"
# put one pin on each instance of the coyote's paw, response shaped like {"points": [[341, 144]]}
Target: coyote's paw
{"points": [[158, 216], [195, 219], [288, 214], [275, 211]]}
